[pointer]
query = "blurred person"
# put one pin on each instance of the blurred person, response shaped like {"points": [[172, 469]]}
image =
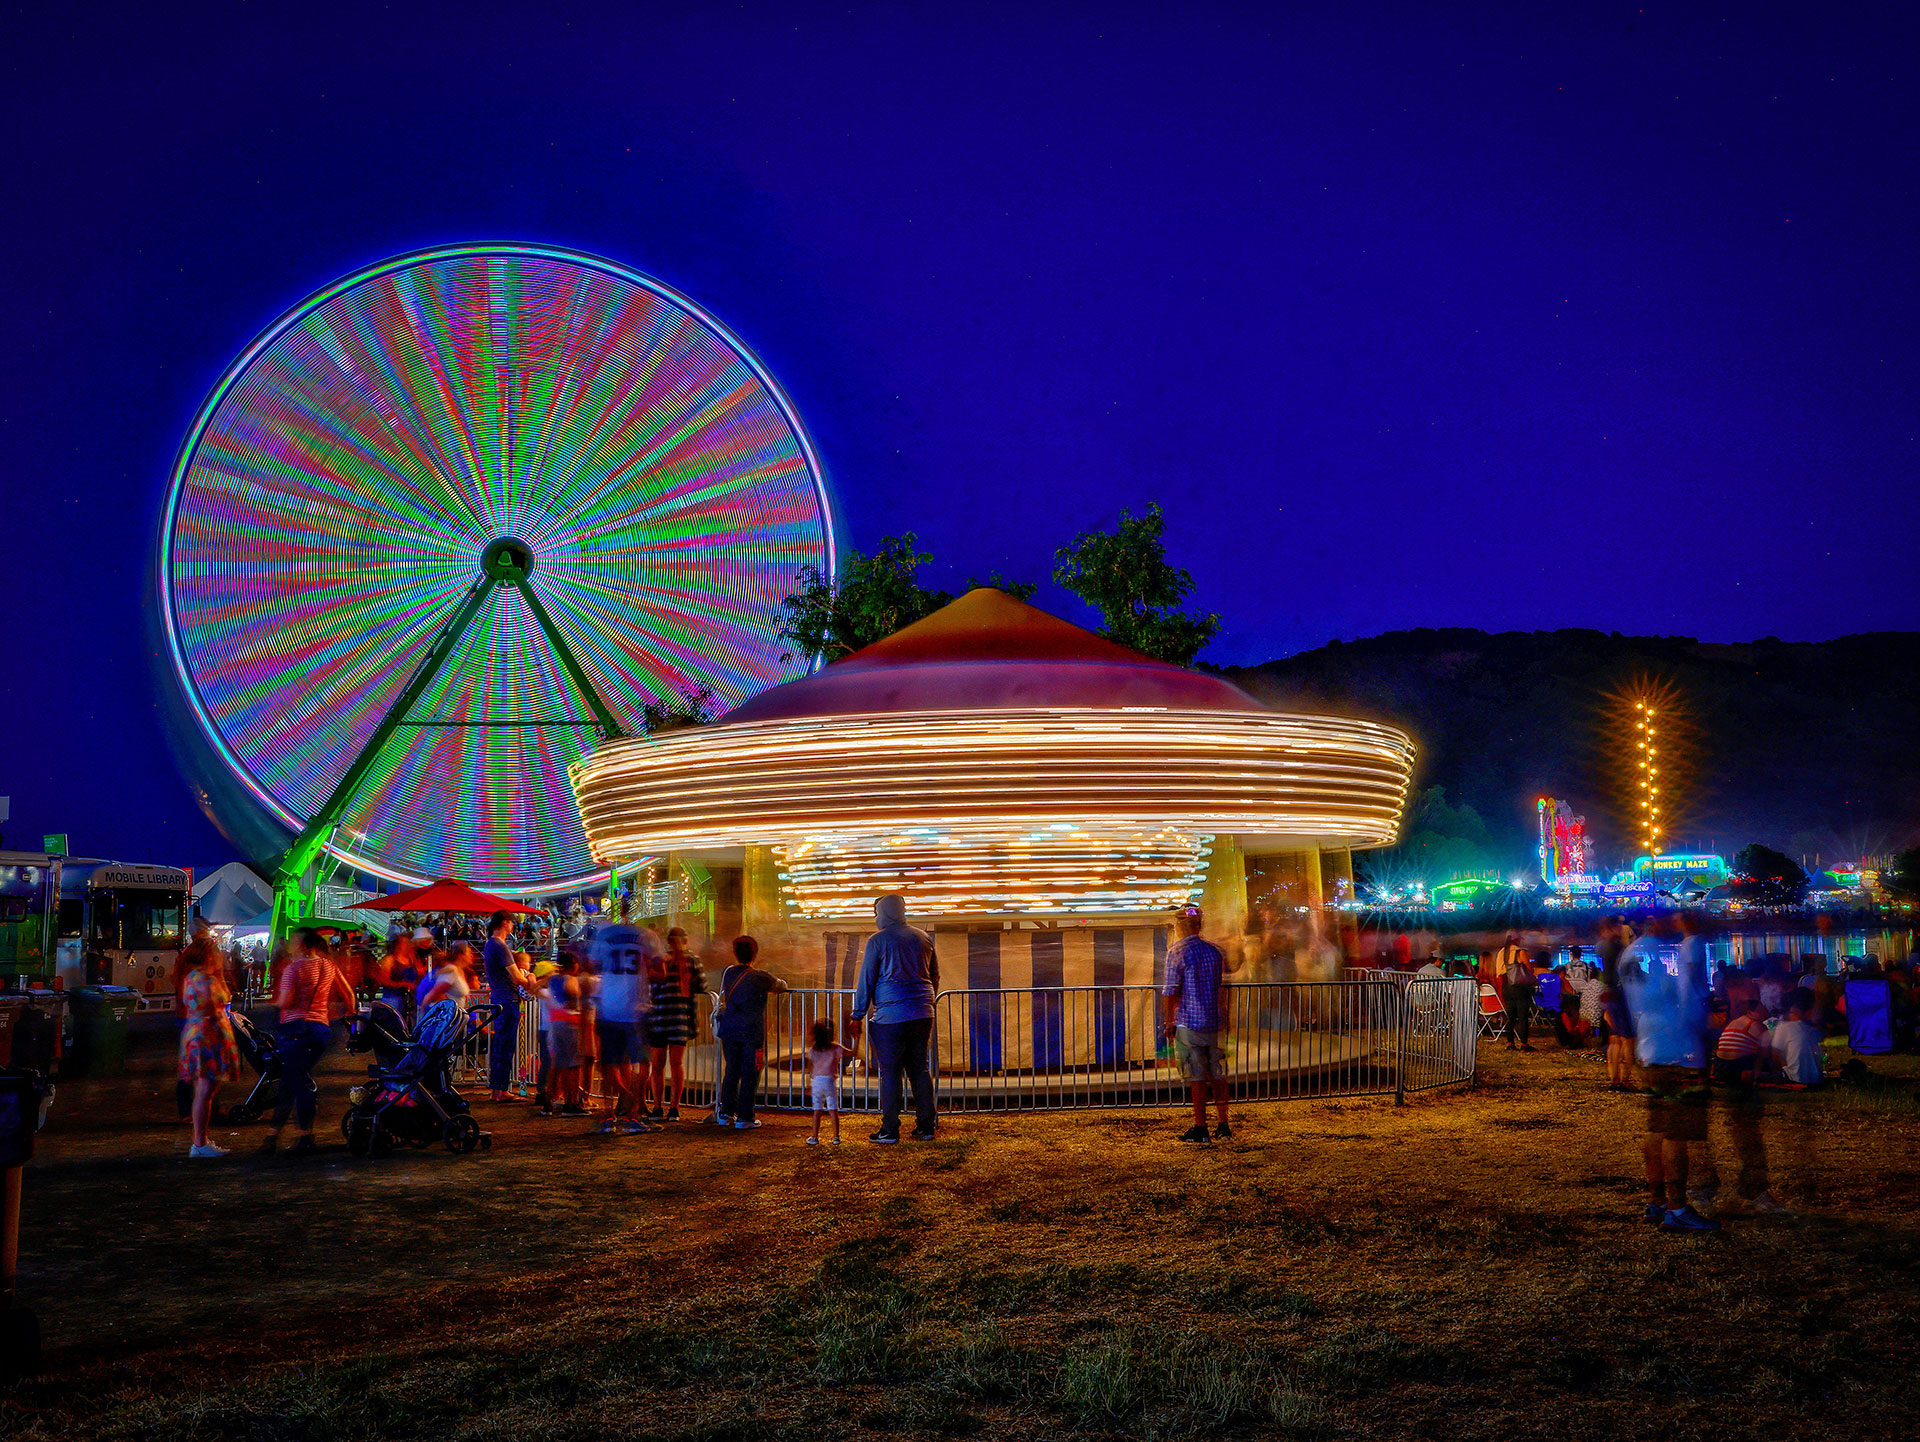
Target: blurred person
{"points": [[1796, 1042], [826, 1059], [899, 978], [1196, 1009], [562, 1006], [305, 993], [1614, 1012], [677, 982], [506, 976], [622, 955], [208, 1055], [1517, 983], [1668, 1003], [740, 1026], [450, 979], [200, 954], [1738, 1059]]}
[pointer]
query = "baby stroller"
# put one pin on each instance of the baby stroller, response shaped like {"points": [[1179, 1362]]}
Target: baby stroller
{"points": [[410, 1100], [262, 1052]]}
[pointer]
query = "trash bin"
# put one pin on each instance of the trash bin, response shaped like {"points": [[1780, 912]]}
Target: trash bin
{"points": [[100, 1017]]}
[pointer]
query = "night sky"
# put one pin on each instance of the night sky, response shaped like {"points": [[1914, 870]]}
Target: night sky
{"points": [[1511, 317]]}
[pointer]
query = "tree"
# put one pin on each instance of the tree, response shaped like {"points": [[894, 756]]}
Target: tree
{"points": [[1767, 877], [1903, 877], [874, 597], [1019, 590], [1124, 574], [694, 708]]}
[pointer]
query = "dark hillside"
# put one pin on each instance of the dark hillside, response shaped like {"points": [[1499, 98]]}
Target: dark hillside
{"points": [[1804, 745]]}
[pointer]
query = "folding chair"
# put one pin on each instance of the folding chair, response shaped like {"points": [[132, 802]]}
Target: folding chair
{"points": [[1493, 1014]]}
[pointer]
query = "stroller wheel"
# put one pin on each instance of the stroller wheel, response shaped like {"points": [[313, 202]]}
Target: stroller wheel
{"points": [[461, 1133], [240, 1113]]}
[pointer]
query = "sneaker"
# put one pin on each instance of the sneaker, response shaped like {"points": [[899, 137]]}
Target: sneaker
{"points": [[654, 1114], [608, 1127], [886, 1139], [304, 1144], [1767, 1206], [1196, 1133], [1223, 1133], [673, 1114], [634, 1129], [570, 1110], [834, 1143], [721, 1119], [1686, 1219], [752, 1126], [546, 1112], [813, 1141], [1701, 1200], [919, 1136], [206, 1149], [1654, 1215]]}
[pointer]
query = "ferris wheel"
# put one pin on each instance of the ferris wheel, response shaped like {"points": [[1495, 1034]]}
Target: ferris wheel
{"points": [[454, 519]]}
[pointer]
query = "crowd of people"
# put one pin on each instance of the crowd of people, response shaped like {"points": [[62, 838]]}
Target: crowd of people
{"points": [[615, 999]]}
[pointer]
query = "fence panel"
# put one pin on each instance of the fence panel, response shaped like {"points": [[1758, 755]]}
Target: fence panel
{"points": [[1440, 1035]]}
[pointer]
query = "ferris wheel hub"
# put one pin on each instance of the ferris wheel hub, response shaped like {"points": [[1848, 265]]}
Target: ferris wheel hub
{"points": [[507, 559]]}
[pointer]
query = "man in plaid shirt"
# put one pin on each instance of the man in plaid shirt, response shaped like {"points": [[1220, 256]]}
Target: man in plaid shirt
{"points": [[1197, 1009]]}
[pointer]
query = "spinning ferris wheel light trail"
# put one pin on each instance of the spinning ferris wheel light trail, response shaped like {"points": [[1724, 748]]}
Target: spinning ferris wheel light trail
{"points": [[453, 520]]}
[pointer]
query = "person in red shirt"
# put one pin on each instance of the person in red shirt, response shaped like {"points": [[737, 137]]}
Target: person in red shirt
{"points": [[1737, 1060], [308, 987]]}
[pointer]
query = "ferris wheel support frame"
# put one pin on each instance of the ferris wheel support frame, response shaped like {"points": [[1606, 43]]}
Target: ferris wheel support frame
{"points": [[506, 562]]}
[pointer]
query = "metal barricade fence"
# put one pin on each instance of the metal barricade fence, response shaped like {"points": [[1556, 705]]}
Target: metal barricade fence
{"points": [[1085, 1047], [700, 1059]]}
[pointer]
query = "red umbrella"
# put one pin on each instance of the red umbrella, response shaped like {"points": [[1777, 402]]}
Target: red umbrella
{"points": [[446, 894]]}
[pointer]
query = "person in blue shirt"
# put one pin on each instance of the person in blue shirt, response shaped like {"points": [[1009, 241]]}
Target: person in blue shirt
{"points": [[505, 977], [1197, 1010], [899, 976], [1665, 986]]}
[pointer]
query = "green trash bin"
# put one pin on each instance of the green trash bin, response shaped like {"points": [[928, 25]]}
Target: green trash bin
{"points": [[100, 1017]]}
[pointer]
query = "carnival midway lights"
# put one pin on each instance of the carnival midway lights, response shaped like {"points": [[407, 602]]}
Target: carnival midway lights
{"points": [[455, 519], [1042, 790]]}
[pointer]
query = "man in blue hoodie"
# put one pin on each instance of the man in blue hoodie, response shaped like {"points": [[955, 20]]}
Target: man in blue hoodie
{"points": [[898, 978]]}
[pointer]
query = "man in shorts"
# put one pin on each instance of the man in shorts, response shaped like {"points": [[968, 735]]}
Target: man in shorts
{"points": [[623, 955], [1666, 992], [1195, 1009]]}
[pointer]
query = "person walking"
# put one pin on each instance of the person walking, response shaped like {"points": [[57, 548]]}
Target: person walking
{"points": [[1517, 982], [740, 1024], [505, 978], [677, 981], [1668, 1002], [208, 1054], [622, 956], [899, 977], [309, 984], [561, 1003], [1196, 1007]]}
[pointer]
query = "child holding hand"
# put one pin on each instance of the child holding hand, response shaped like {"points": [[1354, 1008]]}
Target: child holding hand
{"points": [[826, 1058]]}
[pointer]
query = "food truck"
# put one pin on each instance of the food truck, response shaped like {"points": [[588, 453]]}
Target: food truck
{"points": [[124, 925]]}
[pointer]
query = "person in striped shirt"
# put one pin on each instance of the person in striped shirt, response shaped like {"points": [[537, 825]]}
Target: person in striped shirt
{"points": [[1738, 1059]]}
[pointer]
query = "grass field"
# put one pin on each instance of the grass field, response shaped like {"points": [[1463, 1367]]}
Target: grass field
{"points": [[1469, 1265]]}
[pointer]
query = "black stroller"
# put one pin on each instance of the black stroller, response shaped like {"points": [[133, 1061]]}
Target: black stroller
{"points": [[262, 1053], [409, 1098]]}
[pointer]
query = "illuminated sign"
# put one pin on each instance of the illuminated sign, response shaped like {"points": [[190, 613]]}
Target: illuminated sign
{"points": [[1703, 865], [153, 878]]}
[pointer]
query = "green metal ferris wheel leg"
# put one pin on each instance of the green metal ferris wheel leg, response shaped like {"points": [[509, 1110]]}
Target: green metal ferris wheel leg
{"points": [[608, 727], [292, 892]]}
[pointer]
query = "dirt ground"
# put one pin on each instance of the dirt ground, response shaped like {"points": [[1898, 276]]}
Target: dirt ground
{"points": [[1471, 1264]]}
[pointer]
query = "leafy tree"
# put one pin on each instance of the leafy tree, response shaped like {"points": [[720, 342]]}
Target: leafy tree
{"points": [[694, 708], [1124, 574], [1442, 841], [874, 597], [1019, 590], [1768, 877], [1903, 877]]}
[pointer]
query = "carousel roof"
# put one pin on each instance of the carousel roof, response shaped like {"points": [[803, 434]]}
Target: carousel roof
{"points": [[987, 651]]}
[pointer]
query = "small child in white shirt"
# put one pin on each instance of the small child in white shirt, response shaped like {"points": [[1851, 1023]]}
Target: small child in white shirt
{"points": [[825, 1060]]}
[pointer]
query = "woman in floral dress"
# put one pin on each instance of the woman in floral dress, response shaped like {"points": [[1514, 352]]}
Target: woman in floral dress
{"points": [[208, 1055]]}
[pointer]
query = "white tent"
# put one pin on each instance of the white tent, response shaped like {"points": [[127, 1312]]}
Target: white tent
{"points": [[232, 895]]}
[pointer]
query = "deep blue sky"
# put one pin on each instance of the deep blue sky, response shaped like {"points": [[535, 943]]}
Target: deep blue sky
{"points": [[1512, 317]]}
